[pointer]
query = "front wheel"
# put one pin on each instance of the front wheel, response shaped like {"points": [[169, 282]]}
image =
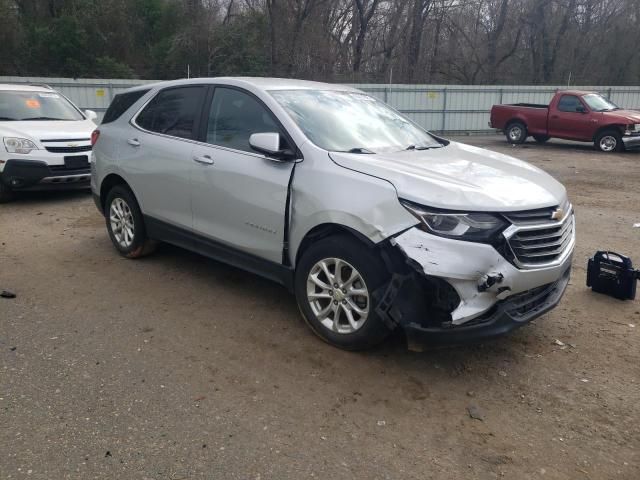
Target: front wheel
{"points": [[516, 133], [125, 224], [334, 284], [609, 141]]}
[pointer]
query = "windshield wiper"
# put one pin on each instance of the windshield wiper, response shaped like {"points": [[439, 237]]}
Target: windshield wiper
{"points": [[7, 118], [360, 150], [42, 118]]}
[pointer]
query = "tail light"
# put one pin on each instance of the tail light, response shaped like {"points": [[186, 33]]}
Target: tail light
{"points": [[94, 137]]}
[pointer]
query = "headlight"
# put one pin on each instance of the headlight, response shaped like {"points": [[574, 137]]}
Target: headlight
{"points": [[474, 227], [19, 145]]}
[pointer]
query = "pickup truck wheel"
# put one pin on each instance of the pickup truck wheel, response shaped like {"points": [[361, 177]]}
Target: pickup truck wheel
{"points": [[516, 133], [609, 141], [334, 282], [6, 195], [541, 138], [125, 224]]}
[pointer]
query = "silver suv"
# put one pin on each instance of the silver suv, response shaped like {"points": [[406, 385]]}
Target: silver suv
{"points": [[373, 223]]}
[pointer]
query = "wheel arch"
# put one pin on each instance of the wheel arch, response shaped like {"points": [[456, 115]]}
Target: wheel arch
{"points": [[513, 120], [612, 126], [107, 184], [324, 230]]}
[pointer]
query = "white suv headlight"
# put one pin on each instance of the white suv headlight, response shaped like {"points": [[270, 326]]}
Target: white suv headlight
{"points": [[19, 145]]}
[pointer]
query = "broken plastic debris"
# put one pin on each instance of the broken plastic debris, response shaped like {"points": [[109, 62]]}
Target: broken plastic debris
{"points": [[7, 294], [475, 412], [558, 342], [636, 225], [381, 423]]}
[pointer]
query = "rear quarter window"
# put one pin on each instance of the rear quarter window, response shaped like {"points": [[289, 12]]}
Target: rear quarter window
{"points": [[121, 104]]}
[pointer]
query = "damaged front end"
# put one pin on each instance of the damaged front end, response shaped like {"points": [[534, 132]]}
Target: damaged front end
{"points": [[445, 290]]}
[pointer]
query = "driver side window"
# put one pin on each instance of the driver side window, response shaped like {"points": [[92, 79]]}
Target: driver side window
{"points": [[234, 116], [570, 103]]}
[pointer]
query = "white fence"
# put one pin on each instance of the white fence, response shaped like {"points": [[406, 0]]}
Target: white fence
{"points": [[440, 108]]}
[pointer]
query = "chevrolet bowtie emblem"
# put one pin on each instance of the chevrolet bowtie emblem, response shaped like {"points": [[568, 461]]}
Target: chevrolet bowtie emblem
{"points": [[557, 214]]}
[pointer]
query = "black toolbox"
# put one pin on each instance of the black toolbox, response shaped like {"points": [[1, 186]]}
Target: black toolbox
{"points": [[612, 274]]}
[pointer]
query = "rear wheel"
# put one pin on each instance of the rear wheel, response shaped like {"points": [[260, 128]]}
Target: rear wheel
{"points": [[6, 195], [541, 138], [334, 284], [609, 141], [516, 133], [125, 223]]}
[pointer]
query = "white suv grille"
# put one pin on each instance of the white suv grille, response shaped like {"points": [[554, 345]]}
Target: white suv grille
{"points": [[537, 240]]}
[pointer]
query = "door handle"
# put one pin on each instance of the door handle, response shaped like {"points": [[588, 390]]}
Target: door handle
{"points": [[204, 159], [133, 142]]}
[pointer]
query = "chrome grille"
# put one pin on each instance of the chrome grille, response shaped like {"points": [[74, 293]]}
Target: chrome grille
{"points": [[536, 240]]}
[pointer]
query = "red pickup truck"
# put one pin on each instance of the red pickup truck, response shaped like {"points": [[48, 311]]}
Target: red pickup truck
{"points": [[572, 115]]}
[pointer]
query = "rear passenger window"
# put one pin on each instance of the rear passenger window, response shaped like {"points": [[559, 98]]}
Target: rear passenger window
{"points": [[121, 104], [174, 112], [235, 116], [569, 103]]}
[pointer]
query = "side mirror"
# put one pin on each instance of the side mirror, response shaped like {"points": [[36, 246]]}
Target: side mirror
{"points": [[581, 109], [269, 144], [90, 114]]}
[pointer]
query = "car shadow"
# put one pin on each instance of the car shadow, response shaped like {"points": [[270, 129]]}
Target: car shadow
{"points": [[47, 197], [214, 274]]}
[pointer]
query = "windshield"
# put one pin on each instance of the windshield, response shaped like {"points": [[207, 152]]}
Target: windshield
{"points": [[19, 105], [598, 103], [351, 122]]}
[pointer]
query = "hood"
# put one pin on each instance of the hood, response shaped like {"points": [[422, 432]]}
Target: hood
{"points": [[38, 130], [625, 116], [460, 177]]}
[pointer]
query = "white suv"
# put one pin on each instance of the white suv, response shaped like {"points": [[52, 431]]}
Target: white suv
{"points": [[46, 140], [374, 223]]}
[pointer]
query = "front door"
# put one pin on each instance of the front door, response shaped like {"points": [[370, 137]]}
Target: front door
{"points": [[571, 119], [239, 195]]}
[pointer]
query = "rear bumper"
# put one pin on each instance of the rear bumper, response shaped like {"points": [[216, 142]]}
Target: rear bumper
{"points": [[38, 175], [505, 316]]}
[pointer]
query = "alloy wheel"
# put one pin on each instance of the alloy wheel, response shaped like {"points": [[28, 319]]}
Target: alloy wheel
{"points": [[122, 225], [338, 295]]}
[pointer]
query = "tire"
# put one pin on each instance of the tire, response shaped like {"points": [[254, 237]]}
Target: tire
{"points": [[6, 195], [516, 133], [609, 141], [125, 223], [541, 138], [359, 331]]}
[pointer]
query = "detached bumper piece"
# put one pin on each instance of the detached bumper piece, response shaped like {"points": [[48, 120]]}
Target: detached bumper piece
{"points": [[36, 175]]}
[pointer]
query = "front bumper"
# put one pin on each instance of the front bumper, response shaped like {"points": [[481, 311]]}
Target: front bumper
{"points": [[487, 295], [505, 316], [631, 141], [39, 175]]}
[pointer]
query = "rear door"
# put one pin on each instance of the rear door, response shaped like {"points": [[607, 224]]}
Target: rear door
{"points": [[157, 153], [571, 119], [239, 195]]}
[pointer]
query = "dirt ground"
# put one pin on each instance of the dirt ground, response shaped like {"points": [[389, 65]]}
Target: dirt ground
{"points": [[178, 367]]}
